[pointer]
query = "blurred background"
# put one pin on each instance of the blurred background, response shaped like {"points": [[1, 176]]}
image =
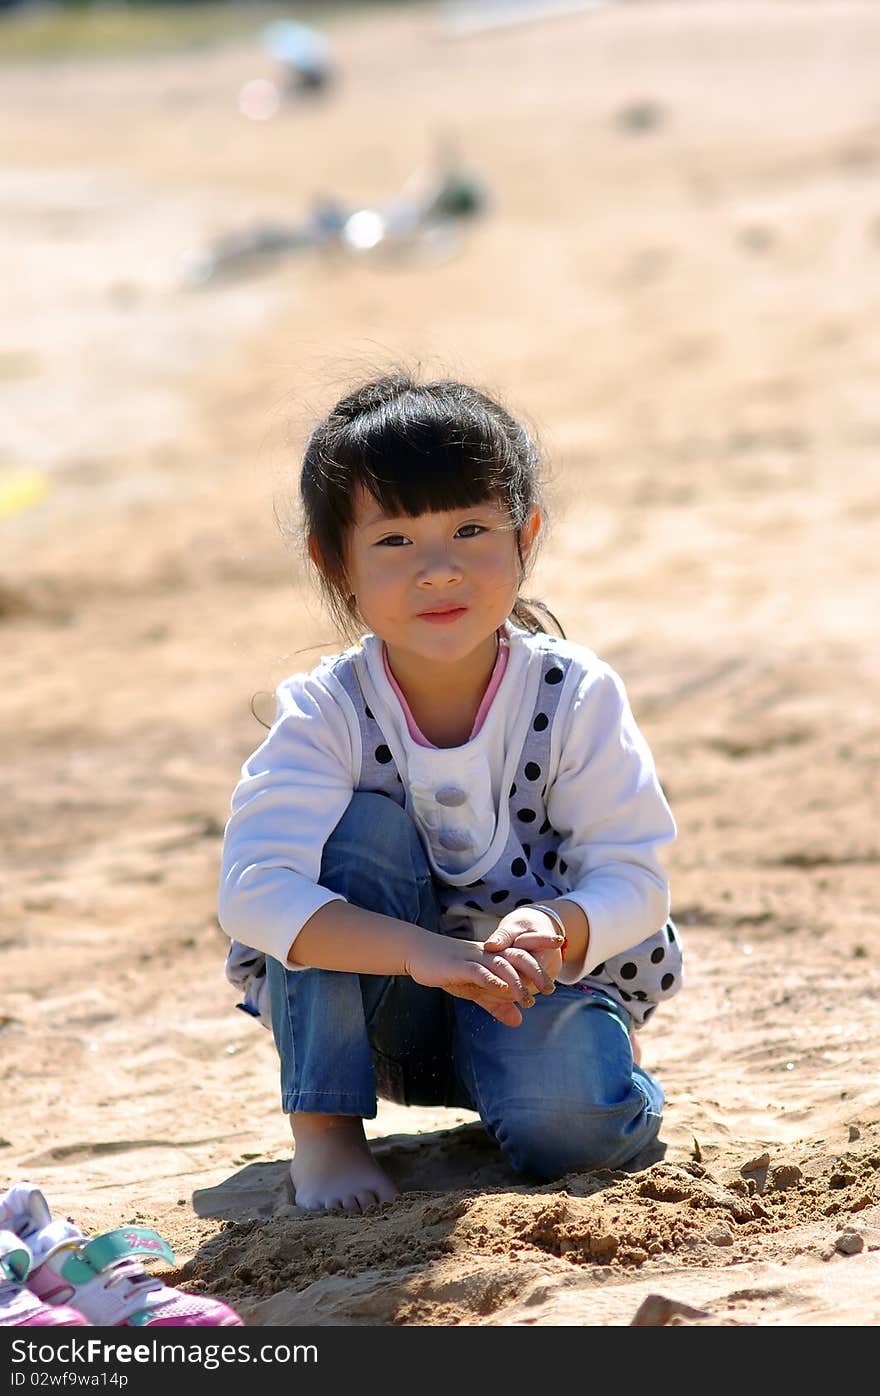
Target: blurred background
{"points": [[654, 230]]}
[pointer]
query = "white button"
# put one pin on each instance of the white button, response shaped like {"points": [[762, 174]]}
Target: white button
{"points": [[455, 840], [450, 795]]}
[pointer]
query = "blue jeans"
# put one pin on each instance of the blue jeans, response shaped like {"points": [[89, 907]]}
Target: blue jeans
{"points": [[559, 1094]]}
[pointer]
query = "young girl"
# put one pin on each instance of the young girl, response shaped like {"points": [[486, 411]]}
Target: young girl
{"points": [[441, 870]]}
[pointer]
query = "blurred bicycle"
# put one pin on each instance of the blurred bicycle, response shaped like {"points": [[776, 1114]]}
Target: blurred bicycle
{"points": [[425, 219]]}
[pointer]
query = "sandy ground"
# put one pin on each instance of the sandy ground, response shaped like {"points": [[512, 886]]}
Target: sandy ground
{"points": [[678, 284]]}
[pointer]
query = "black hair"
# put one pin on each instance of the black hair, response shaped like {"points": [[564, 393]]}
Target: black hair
{"points": [[417, 448]]}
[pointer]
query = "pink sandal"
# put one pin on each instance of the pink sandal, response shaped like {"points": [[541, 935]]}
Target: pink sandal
{"points": [[102, 1277], [19, 1307]]}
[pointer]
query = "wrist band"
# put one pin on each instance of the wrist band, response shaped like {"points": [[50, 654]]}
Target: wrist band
{"points": [[554, 916]]}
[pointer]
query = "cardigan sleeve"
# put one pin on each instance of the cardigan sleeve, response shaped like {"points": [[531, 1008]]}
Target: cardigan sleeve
{"points": [[607, 804], [292, 793]]}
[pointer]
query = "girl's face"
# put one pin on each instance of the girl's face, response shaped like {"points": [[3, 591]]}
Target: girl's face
{"points": [[436, 587]]}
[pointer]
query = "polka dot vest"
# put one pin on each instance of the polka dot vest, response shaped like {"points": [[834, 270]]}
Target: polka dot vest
{"points": [[530, 867]]}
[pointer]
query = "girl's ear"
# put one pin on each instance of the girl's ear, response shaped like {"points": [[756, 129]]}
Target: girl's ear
{"points": [[315, 553], [529, 532]]}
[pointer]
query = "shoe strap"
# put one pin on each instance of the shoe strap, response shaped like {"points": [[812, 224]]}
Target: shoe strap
{"points": [[15, 1257], [125, 1243]]}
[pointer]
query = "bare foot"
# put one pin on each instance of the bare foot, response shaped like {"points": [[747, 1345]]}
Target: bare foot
{"points": [[333, 1169]]}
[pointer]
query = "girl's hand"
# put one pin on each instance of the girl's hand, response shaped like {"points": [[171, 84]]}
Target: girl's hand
{"points": [[465, 969], [530, 941]]}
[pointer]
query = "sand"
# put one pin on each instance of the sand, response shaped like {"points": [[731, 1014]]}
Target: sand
{"points": [[676, 283]]}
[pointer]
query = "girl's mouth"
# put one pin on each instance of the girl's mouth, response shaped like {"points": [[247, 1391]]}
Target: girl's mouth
{"points": [[445, 617]]}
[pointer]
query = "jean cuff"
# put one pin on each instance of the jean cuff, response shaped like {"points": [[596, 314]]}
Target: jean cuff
{"points": [[329, 1103]]}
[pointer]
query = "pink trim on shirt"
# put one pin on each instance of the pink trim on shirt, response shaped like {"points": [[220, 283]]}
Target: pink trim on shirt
{"points": [[494, 684]]}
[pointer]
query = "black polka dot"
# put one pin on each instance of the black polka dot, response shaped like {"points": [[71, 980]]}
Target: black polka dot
{"points": [[513, 790], [399, 781], [527, 849], [670, 932], [369, 714], [478, 883], [474, 905], [554, 676], [540, 881], [540, 722], [658, 955], [550, 860], [640, 995], [563, 866], [500, 896], [627, 998], [382, 754], [519, 867], [545, 827], [532, 770], [667, 982], [629, 970], [648, 1012], [600, 969], [523, 901], [527, 816]]}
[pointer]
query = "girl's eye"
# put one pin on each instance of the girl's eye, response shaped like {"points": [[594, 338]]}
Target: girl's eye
{"points": [[399, 540]]}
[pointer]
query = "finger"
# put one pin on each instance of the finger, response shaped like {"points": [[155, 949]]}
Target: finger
{"points": [[500, 939], [530, 939], [478, 981], [500, 967], [531, 971], [530, 990], [506, 1013], [529, 975]]}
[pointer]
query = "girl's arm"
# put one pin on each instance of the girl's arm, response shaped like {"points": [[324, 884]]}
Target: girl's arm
{"points": [[292, 793], [607, 804], [340, 936]]}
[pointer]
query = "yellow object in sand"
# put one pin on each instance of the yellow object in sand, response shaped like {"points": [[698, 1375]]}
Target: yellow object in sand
{"points": [[21, 491]]}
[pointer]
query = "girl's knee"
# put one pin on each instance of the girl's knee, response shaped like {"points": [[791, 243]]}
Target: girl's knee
{"points": [[375, 859], [378, 828], [549, 1143]]}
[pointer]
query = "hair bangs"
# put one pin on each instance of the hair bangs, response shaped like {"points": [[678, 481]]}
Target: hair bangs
{"points": [[407, 484], [422, 460]]}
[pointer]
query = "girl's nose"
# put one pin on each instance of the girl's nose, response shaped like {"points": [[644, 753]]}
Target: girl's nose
{"points": [[438, 568]]}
